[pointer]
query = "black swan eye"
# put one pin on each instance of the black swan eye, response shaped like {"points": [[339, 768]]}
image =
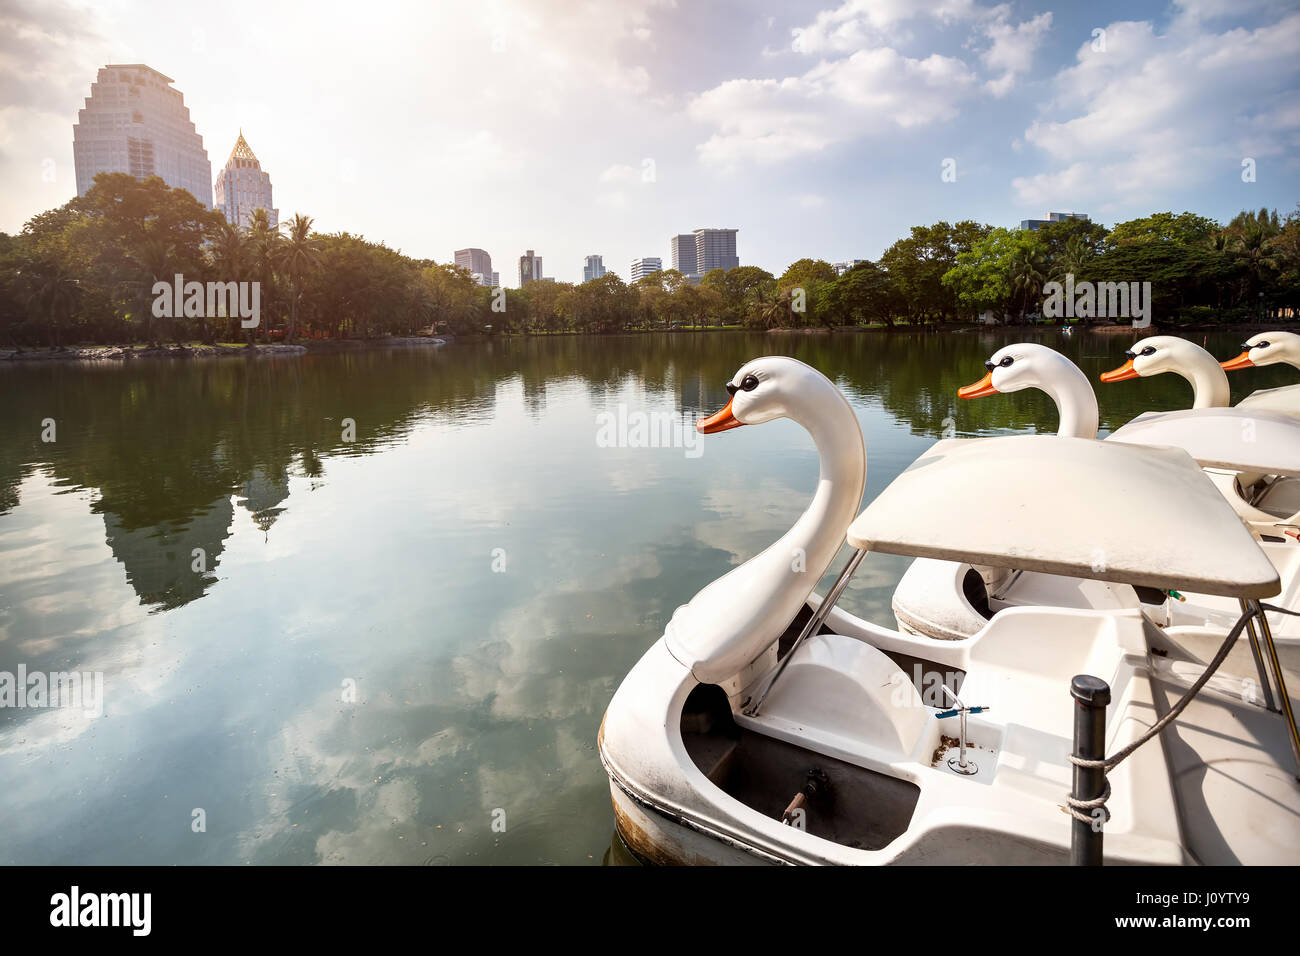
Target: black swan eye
{"points": [[749, 383], [1149, 350], [1006, 361], [1260, 345]]}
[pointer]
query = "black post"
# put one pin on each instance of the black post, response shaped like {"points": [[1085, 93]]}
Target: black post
{"points": [[1091, 696]]}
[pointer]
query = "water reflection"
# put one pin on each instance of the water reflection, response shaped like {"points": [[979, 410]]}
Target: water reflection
{"points": [[479, 687]]}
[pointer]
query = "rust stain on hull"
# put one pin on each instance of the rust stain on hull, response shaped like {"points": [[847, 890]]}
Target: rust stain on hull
{"points": [[644, 846]]}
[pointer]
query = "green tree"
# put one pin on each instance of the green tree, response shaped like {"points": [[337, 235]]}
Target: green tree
{"points": [[997, 272], [863, 294], [52, 291]]}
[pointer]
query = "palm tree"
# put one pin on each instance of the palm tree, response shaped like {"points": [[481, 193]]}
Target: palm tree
{"points": [[154, 259], [262, 243], [299, 254], [1075, 256], [1254, 248], [1026, 275], [229, 254], [775, 309], [53, 290]]}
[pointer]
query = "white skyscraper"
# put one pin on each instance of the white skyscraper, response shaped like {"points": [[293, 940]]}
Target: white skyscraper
{"points": [[683, 246], [646, 265], [243, 186], [134, 122], [478, 263]]}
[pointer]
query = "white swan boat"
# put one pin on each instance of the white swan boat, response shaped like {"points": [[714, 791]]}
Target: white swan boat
{"points": [[1266, 500], [951, 601], [734, 741], [1270, 348], [954, 601]]}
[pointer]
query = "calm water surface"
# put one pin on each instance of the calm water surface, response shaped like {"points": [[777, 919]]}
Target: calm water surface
{"points": [[474, 563]]}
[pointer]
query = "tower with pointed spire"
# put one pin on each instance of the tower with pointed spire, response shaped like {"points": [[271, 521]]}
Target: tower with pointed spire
{"points": [[243, 186]]}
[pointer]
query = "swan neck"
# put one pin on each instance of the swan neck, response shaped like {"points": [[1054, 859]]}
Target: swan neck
{"points": [[841, 479], [1209, 385], [1076, 405]]}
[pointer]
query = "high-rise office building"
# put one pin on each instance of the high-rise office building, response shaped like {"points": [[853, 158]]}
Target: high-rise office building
{"points": [[530, 268], [684, 254], [646, 265], [134, 122], [1033, 225], [843, 267], [479, 264], [243, 186], [715, 249], [594, 268]]}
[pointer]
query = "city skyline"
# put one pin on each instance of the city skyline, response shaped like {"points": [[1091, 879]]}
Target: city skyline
{"points": [[848, 122]]}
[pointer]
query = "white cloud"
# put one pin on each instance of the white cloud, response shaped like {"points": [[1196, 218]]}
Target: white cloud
{"points": [[1154, 113], [1013, 49], [621, 173], [858, 23], [864, 84], [476, 155], [835, 101]]}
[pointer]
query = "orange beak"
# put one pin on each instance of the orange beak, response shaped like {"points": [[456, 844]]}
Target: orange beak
{"points": [[718, 422], [1123, 373], [978, 390], [1241, 361]]}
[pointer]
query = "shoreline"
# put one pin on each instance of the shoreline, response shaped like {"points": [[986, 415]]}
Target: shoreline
{"points": [[129, 353], [98, 353]]}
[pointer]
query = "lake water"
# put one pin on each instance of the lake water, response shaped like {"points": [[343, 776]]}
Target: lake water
{"points": [[398, 648]]}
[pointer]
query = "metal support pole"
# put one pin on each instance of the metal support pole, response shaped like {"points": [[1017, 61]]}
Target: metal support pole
{"points": [[1091, 697], [1283, 697], [1265, 683], [814, 622]]}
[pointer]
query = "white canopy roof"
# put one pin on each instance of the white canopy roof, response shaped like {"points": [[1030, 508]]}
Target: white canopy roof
{"points": [[1104, 510], [1284, 400], [1234, 438]]}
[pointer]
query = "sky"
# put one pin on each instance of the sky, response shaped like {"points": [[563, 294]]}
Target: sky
{"points": [[817, 128]]}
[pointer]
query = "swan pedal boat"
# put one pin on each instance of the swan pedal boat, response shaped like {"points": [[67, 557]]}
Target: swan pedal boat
{"points": [[1264, 500], [952, 601], [707, 753]]}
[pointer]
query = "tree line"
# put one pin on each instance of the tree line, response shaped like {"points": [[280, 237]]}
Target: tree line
{"points": [[85, 273]]}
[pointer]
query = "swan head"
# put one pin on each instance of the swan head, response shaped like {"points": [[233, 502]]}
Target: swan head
{"points": [[1266, 348], [1156, 354], [1030, 365], [1019, 366], [769, 388], [1168, 353]]}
